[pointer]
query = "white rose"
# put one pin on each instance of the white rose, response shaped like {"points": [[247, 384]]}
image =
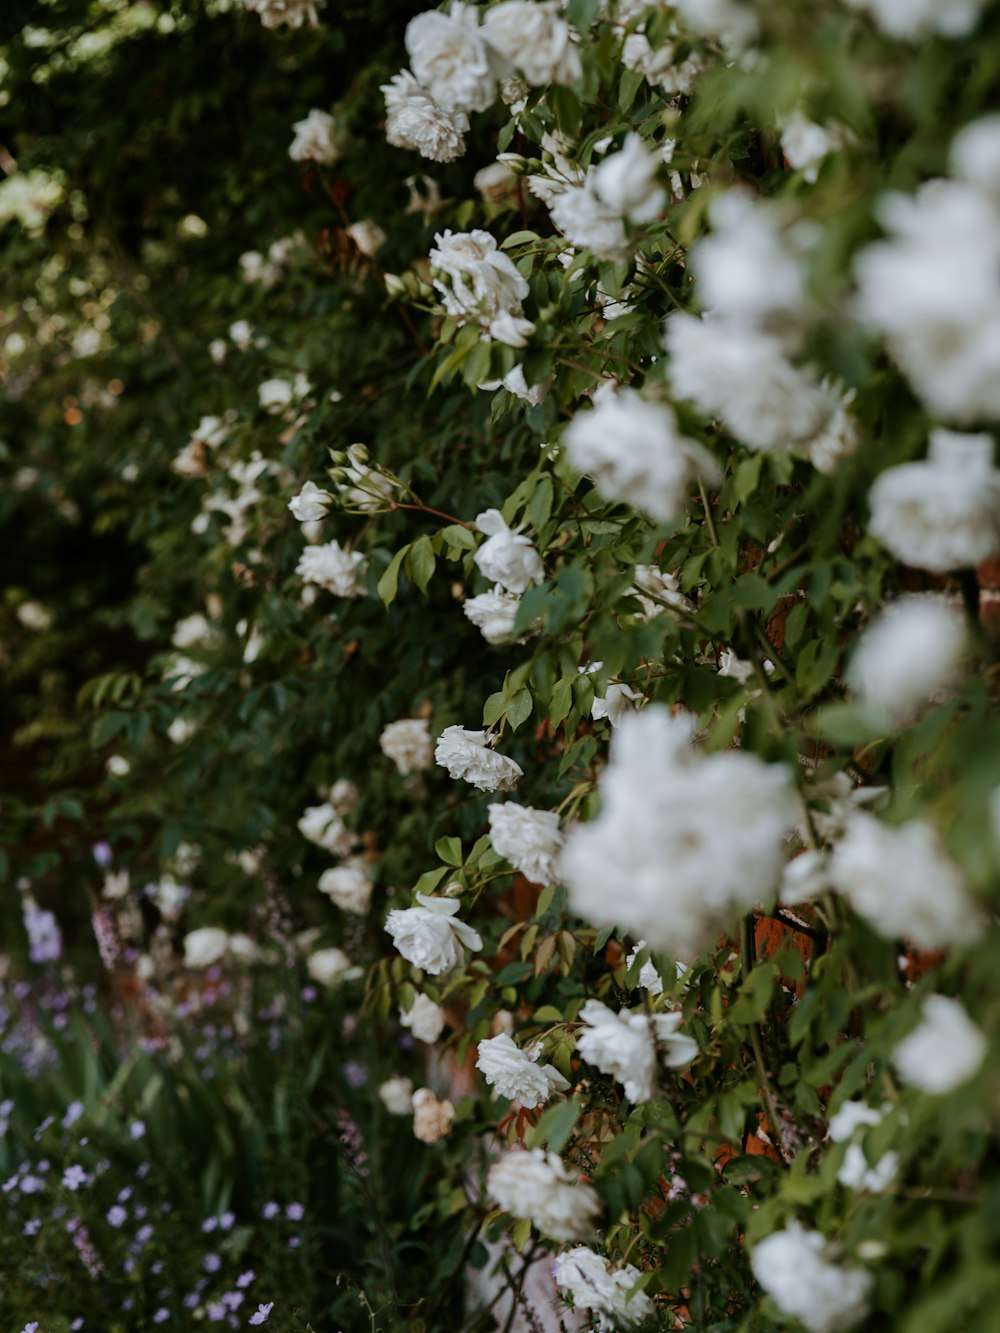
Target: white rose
{"points": [[791, 1265], [627, 181], [414, 120], [477, 281], [290, 13], [942, 514], [311, 503], [396, 1095], [854, 1172], [408, 744], [635, 452], [529, 839], [974, 155], [431, 1117], [494, 613], [806, 144], [424, 1018], [275, 395], [322, 825], [911, 651], [204, 947], [332, 567], [629, 1047], [367, 235], [513, 1073], [316, 139], [903, 883], [467, 756], [648, 979], [330, 966], [594, 1285], [532, 36], [450, 56], [619, 700], [343, 796], [587, 221], [429, 937], [944, 1052], [537, 1185], [348, 886], [507, 558]]}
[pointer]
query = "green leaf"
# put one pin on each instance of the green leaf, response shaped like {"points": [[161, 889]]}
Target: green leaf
{"points": [[389, 581], [540, 504], [555, 1126], [519, 708], [450, 850], [457, 535], [420, 562]]}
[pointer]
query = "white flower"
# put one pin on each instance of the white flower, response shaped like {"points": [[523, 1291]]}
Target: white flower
{"points": [[659, 67], [205, 946], [333, 568], [938, 307], [588, 221], [275, 395], [367, 235], [630, 1047], [658, 591], [322, 825], [181, 730], [33, 615], [241, 332], [292, 13], [684, 842], [513, 1073], [316, 139], [331, 966], [311, 503], [903, 883], [749, 269], [343, 796], [170, 897], [362, 487], [593, 1284], [627, 181], [532, 36], [806, 145], [193, 630], [424, 1018], [910, 19], [507, 558], [467, 755], [396, 1095], [477, 281], [494, 613], [496, 182], [348, 886], [974, 156], [117, 766], [408, 744], [792, 1266], [618, 701], [805, 877], [635, 452], [415, 120], [537, 1185], [431, 1117], [913, 650], [529, 839], [515, 383], [429, 936], [648, 979], [450, 56], [745, 378], [942, 514], [945, 1051], [854, 1172], [733, 22]]}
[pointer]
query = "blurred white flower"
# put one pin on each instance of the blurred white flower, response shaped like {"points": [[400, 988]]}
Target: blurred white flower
{"points": [[494, 614], [467, 756], [331, 966], [944, 1051], [648, 979], [538, 1186], [807, 145], [424, 1018], [33, 615], [910, 19], [533, 36], [316, 139], [396, 1095], [432, 1117], [593, 1284], [348, 887], [322, 825], [429, 936], [311, 503], [941, 514], [408, 744], [339, 571], [913, 650], [204, 947], [855, 1172], [792, 1267], [287, 13], [529, 839]]}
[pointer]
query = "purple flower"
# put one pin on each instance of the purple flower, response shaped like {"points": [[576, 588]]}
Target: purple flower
{"points": [[137, 1130], [270, 1210], [246, 1278], [226, 1221], [33, 1326], [261, 1317], [161, 1315], [73, 1113], [209, 1224], [295, 1212], [44, 936], [212, 1263], [356, 1074], [103, 855], [75, 1176], [117, 1216], [77, 1323]]}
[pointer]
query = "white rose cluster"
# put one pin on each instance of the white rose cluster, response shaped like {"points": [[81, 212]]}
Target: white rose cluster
{"points": [[494, 614], [529, 839], [468, 756], [903, 883], [623, 188], [630, 1047], [334, 569], [684, 841], [507, 557], [478, 283], [532, 35], [515, 1074], [416, 121], [429, 936], [593, 1284], [794, 1268], [536, 1184], [635, 452]]}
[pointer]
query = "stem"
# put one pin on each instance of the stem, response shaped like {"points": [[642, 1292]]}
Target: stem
{"points": [[426, 509], [709, 520], [748, 959]]}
